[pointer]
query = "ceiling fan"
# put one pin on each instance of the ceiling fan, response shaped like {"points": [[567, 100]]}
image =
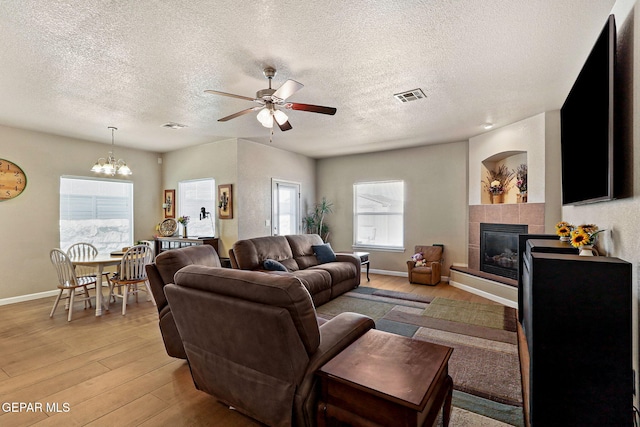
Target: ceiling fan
{"points": [[269, 99]]}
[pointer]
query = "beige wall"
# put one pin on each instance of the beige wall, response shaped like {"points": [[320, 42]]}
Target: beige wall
{"points": [[30, 222], [435, 191], [258, 164], [249, 167], [217, 160]]}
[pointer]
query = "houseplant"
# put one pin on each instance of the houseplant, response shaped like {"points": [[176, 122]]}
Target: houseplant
{"points": [[314, 223]]}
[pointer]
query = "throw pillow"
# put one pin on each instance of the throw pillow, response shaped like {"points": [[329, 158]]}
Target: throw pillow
{"points": [[273, 265], [324, 253]]}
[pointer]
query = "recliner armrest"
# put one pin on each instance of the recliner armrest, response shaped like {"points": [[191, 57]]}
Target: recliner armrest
{"points": [[335, 335]]}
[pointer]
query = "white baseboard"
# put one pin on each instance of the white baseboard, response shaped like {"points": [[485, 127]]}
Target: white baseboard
{"points": [[28, 297], [487, 295], [399, 274]]}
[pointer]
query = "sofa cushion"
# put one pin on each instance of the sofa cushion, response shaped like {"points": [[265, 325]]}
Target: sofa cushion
{"points": [[324, 253], [317, 282], [302, 250], [273, 265], [339, 271], [251, 253]]}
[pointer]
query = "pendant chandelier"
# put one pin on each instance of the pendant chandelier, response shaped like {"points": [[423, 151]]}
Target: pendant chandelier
{"points": [[110, 165]]}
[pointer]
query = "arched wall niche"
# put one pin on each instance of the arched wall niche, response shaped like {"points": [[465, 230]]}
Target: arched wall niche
{"points": [[511, 160]]}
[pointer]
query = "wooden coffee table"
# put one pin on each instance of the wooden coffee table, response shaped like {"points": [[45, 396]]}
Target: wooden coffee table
{"points": [[385, 379]]}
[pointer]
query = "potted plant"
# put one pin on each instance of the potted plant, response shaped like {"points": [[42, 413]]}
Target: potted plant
{"points": [[313, 223]]}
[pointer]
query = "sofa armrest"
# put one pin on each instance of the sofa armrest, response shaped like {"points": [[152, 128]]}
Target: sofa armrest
{"points": [[344, 257], [335, 335]]}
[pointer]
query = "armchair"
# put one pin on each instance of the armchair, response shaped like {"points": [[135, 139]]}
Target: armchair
{"points": [[253, 341], [430, 273], [160, 272]]}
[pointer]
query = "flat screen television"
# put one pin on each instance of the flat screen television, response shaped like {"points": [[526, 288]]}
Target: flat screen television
{"points": [[587, 126]]}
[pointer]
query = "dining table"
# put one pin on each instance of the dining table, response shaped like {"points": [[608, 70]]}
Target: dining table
{"points": [[99, 262]]}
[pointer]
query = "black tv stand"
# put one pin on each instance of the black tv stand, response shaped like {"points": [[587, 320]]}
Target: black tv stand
{"points": [[575, 312]]}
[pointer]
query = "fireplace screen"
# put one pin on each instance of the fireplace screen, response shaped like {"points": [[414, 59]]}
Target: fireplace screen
{"points": [[499, 248]]}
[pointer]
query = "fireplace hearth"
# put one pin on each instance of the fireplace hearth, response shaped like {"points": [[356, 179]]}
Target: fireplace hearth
{"points": [[499, 248]]}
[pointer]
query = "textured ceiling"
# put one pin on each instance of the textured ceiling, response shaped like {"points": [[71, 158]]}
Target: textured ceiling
{"points": [[73, 68]]}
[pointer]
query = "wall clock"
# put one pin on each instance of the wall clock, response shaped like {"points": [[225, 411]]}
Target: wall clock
{"points": [[13, 180]]}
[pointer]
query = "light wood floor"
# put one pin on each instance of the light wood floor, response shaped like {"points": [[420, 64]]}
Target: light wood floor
{"points": [[113, 370]]}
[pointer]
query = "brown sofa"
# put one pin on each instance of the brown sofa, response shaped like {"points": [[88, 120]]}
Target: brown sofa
{"points": [[253, 341], [161, 272], [324, 281]]}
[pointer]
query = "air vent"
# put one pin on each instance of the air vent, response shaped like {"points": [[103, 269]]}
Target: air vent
{"points": [[172, 125], [411, 95]]}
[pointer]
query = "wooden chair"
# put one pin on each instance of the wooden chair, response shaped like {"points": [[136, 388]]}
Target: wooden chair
{"points": [[132, 273], [69, 282], [85, 250]]}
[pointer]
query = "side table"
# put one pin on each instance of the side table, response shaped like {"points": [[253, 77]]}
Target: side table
{"points": [[384, 379], [364, 260]]}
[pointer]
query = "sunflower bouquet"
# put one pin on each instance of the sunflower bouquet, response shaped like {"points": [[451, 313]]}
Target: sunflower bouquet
{"points": [[585, 234], [564, 229]]}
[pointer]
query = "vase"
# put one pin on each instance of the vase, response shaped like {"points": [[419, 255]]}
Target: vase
{"points": [[522, 197], [497, 198], [184, 231], [588, 250]]}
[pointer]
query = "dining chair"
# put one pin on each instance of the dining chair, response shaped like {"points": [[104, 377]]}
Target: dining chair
{"points": [[68, 281], [85, 250], [131, 275]]}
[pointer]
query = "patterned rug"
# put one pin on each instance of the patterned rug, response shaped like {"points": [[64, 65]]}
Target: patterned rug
{"points": [[484, 364]]}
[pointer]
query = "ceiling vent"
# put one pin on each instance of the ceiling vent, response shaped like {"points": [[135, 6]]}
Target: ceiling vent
{"points": [[172, 125], [411, 95]]}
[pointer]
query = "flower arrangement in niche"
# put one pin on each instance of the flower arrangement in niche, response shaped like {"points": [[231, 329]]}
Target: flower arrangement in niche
{"points": [[498, 181], [521, 178], [564, 229], [585, 234]]}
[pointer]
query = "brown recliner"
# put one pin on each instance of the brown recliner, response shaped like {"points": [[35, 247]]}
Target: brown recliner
{"points": [[429, 274], [253, 341], [161, 272]]}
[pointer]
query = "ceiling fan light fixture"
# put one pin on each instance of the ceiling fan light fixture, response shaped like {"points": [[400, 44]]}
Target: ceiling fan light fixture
{"points": [[280, 117], [265, 118]]}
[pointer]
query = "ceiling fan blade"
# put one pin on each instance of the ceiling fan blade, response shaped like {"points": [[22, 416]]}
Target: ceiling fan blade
{"points": [[215, 92], [287, 89], [239, 113], [285, 126], [312, 108]]}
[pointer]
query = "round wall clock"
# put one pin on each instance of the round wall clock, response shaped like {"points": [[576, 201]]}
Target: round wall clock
{"points": [[13, 180]]}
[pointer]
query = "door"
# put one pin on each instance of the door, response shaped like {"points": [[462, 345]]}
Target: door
{"points": [[285, 218]]}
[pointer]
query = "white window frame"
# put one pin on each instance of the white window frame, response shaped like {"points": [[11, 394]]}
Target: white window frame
{"points": [[195, 215], [94, 238], [356, 215]]}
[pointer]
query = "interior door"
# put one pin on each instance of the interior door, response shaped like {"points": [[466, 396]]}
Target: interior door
{"points": [[286, 208]]}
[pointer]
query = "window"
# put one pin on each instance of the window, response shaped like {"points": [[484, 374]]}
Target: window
{"points": [[96, 211], [379, 215], [286, 208], [193, 197]]}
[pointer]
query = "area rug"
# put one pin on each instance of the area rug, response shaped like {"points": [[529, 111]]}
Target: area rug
{"points": [[484, 364]]}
